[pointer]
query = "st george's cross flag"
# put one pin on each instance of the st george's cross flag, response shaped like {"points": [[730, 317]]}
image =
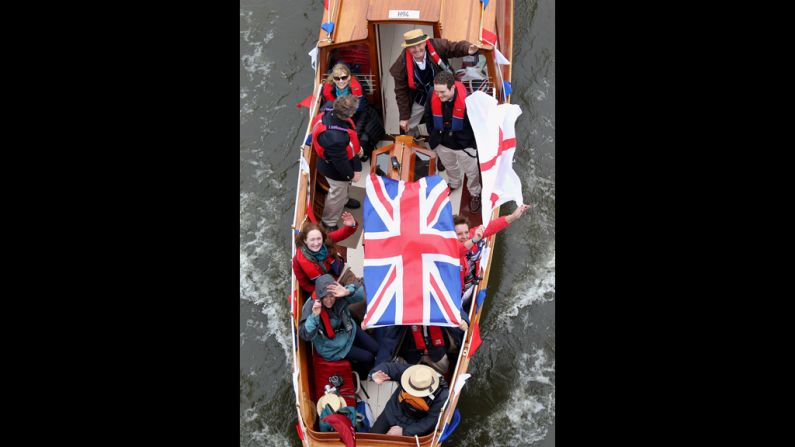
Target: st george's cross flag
{"points": [[411, 255], [496, 137]]}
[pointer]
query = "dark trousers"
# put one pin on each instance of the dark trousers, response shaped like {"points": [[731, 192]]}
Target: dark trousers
{"points": [[380, 425], [363, 349]]}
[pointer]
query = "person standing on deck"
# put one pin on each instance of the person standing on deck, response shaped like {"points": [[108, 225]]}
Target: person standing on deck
{"points": [[415, 68], [337, 145], [451, 135]]}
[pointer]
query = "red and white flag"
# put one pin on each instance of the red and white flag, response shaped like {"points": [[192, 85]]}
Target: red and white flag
{"points": [[496, 137], [488, 37]]}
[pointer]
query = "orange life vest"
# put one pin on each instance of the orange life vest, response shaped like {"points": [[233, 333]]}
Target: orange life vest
{"points": [[459, 107], [419, 340], [330, 93]]}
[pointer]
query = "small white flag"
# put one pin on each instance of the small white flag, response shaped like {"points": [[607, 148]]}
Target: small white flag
{"points": [[499, 58], [304, 164], [459, 383], [313, 56]]}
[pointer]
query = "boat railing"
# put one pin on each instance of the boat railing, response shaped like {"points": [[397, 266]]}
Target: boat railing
{"points": [[485, 85], [368, 82]]}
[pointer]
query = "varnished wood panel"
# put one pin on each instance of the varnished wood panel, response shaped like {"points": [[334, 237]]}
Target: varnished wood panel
{"points": [[505, 34], [460, 20], [350, 21]]}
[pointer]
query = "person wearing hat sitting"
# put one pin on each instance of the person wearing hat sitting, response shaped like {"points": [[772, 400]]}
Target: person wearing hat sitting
{"points": [[415, 68], [326, 321], [415, 406]]}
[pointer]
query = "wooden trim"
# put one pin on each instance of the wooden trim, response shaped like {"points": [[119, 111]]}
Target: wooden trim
{"points": [[399, 152], [492, 69], [374, 156], [505, 14], [375, 69]]}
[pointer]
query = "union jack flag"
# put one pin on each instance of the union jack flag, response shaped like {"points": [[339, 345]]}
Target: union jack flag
{"points": [[411, 255]]}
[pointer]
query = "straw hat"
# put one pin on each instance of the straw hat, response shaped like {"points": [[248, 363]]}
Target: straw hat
{"points": [[420, 380], [332, 399], [414, 37]]}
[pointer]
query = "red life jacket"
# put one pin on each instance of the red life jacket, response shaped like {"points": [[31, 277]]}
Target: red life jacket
{"points": [[410, 65], [325, 319], [311, 269], [318, 127], [459, 107], [329, 92], [419, 341]]}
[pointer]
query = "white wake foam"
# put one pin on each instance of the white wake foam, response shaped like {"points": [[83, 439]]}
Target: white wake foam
{"points": [[265, 437], [524, 417], [267, 289], [530, 291]]}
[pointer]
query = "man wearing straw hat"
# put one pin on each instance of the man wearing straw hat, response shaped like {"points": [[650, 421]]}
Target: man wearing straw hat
{"points": [[415, 406], [415, 69]]}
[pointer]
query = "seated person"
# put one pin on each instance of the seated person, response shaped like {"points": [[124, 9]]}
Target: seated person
{"points": [[341, 82], [415, 405], [316, 253], [429, 345], [327, 323]]}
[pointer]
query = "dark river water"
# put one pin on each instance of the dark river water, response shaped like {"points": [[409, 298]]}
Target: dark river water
{"points": [[510, 399]]}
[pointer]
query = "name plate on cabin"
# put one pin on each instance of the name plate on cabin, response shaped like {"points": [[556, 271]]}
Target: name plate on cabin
{"points": [[404, 14]]}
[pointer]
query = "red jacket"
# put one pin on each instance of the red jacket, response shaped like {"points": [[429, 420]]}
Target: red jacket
{"points": [[306, 271], [475, 252]]}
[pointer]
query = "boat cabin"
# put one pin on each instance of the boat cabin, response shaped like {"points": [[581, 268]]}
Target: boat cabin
{"points": [[366, 35]]}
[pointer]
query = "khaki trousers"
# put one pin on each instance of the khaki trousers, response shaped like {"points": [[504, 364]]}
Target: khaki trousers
{"points": [[456, 164], [335, 201]]}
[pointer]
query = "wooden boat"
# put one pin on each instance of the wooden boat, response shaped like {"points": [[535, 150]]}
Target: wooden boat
{"points": [[373, 31]]}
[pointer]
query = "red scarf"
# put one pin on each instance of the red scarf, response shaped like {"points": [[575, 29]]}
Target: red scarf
{"points": [[324, 317], [410, 62]]}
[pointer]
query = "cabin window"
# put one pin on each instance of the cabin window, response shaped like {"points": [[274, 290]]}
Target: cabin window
{"points": [[382, 164], [421, 165]]}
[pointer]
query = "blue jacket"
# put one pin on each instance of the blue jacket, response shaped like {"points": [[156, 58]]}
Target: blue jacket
{"points": [[344, 326]]}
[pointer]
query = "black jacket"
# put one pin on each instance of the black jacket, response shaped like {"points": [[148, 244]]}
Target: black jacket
{"points": [[394, 413], [336, 166], [454, 140]]}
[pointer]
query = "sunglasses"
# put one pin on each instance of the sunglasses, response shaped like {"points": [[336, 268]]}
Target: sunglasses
{"points": [[340, 78]]}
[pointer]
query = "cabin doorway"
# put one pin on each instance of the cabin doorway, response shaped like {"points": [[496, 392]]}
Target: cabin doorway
{"points": [[390, 36]]}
